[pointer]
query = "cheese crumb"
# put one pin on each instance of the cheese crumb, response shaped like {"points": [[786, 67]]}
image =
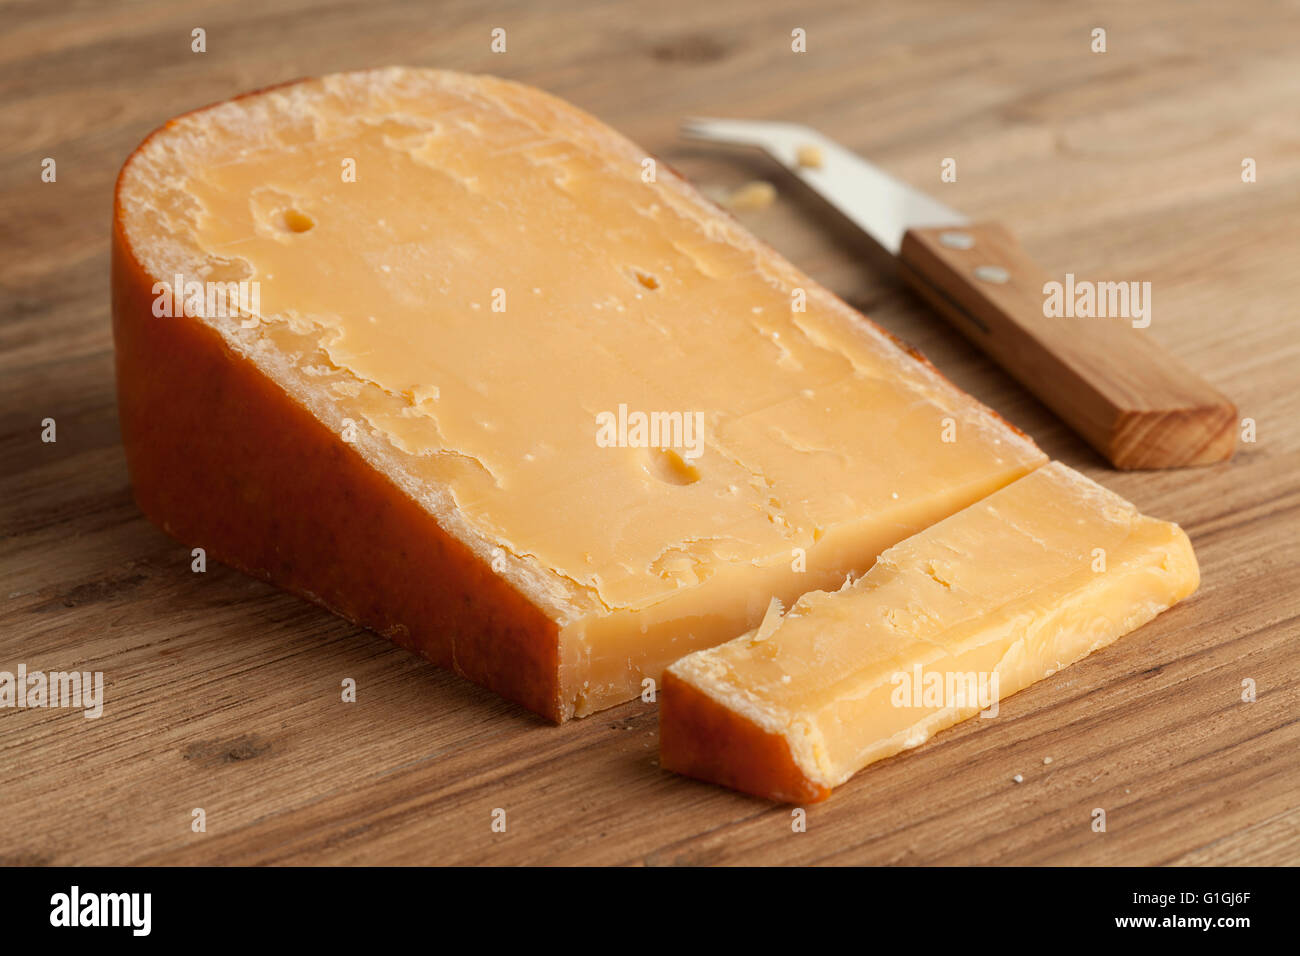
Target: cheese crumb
{"points": [[752, 196], [771, 621], [809, 156], [1018, 778]]}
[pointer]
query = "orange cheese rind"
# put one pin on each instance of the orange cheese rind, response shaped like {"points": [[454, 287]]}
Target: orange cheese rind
{"points": [[702, 738]]}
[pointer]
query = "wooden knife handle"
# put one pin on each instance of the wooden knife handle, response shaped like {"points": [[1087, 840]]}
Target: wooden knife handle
{"points": [[1111, 382]]}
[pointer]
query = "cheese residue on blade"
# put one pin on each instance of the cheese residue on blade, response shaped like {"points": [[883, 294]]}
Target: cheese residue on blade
{"points": [[809, 156]]}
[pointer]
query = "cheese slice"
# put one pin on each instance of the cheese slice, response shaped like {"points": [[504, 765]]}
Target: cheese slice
{"points": [[948, 622], [504, 389]]}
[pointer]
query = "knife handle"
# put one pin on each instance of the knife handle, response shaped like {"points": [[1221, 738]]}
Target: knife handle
{"points": [[1110, 382]]}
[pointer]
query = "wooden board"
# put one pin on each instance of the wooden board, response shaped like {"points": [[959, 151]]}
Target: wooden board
{"points": [[224, 694]]}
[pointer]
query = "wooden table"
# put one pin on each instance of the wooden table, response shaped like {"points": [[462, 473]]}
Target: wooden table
{"points": [[223, 693]]}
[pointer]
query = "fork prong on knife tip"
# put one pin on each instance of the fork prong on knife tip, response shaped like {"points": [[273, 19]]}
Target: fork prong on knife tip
{"points": [[701, 128]]}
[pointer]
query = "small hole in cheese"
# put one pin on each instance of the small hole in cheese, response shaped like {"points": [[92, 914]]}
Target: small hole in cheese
{"points": [[295, 220], [668, 466], [647, 280]]}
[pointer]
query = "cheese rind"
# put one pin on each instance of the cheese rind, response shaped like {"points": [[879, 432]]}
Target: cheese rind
{"points": [[948, 622], [457, 277]]}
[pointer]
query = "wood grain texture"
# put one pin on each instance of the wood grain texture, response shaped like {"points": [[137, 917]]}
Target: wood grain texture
{"points": [[1099, 371], [223, 693]]}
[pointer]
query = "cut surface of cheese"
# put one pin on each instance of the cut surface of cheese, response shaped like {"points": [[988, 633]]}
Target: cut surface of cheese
{"points": [[971, 610], [507, 392]]}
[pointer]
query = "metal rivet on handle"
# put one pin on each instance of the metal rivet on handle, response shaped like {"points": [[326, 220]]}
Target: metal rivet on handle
{"points": [[956, 240], [992, 274]]}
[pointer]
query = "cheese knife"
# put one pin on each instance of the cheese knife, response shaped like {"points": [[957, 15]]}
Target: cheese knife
{"points": [[1107, 379]]}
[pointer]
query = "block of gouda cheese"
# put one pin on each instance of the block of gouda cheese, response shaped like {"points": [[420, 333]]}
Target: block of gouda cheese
{"points": [[971, 610], [457, 361]]}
